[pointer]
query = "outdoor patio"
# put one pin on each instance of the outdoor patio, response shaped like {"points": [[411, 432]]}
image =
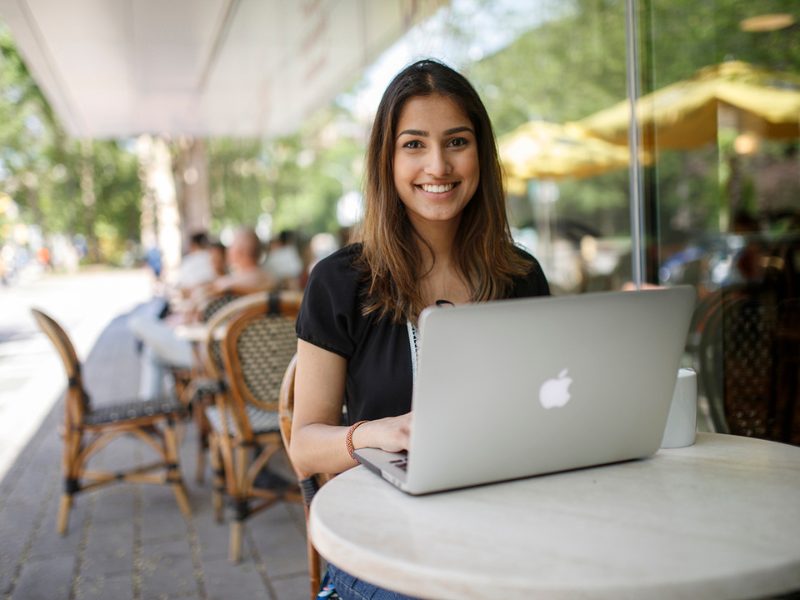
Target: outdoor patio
{"points": [[131, 541]]}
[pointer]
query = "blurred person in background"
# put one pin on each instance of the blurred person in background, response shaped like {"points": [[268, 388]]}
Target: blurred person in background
{"points": [[218, 253], [162, 347], [196, 266], [283, 262], [152, 257]]}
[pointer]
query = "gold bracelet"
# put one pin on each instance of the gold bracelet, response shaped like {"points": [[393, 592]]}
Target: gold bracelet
{"points": [[348, 439]]}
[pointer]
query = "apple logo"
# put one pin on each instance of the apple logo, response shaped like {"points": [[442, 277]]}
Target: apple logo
{"points": [[554, 392]]}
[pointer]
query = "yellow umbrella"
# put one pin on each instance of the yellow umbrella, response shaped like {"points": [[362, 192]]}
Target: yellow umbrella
{"points": [[543, 150], [685, 114]]}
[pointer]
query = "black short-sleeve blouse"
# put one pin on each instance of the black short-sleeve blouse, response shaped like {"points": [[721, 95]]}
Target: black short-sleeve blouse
{"points": [[379, 378]]}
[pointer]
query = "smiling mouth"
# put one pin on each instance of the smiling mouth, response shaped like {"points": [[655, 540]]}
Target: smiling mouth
{"points": [[437, 188]]}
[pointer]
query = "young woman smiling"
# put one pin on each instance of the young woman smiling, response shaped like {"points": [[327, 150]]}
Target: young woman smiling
{"points": [[435, 231]]}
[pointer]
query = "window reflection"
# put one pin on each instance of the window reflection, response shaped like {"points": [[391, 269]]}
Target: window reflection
{"points": [[719, 122]]}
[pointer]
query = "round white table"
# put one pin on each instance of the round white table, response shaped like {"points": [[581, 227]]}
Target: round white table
{"points": [[720, 519]]}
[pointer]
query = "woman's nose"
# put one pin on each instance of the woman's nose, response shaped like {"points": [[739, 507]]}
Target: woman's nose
{"points": [[438, 165]]}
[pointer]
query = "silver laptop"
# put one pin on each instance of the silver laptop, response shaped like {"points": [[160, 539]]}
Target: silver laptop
{"points": [[516, 388]]}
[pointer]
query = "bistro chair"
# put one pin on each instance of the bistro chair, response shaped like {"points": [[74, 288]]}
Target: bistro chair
{"points": [[747, 357], [309, 484], [195, 387], [88, 429], [207, 308], [258, 345], [203, 388]]}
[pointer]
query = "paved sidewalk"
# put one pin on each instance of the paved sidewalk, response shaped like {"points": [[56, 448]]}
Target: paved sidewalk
{"points": [[131, 541]]}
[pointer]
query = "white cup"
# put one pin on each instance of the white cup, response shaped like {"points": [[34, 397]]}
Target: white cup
{"points": [[682, 420]]}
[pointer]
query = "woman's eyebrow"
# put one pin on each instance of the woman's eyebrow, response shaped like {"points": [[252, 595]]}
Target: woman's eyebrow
{"points": [[459, 130], [421, 133], [417, 132]]}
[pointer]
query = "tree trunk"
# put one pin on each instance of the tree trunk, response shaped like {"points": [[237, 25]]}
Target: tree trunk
{"points": [[159, 206], [191, 185]]}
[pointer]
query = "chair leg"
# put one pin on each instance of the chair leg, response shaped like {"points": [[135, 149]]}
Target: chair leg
{"points": [[201, 425], [218, 482], [235, 549], [173, 472], [71, 466], [313, 568], [182, 498], [64, 508]]}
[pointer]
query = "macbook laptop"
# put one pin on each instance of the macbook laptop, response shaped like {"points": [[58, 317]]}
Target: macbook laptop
{"points": [[515, 388]]}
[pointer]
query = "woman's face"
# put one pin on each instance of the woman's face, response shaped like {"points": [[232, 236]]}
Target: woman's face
{"points": [[436, 167]]}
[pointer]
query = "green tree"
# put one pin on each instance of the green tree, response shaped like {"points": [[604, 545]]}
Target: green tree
{"points": [[43, 170]]}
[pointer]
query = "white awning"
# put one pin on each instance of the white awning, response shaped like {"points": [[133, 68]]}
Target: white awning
{"points": [[244, 68]]}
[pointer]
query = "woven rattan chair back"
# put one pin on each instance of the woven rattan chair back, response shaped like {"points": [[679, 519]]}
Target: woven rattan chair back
{"points": [[213, 304], [211, 348], [258, 346], [737, 363], [77, 400]]}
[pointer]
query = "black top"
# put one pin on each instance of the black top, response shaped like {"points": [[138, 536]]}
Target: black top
{"points": [[378, 352]]}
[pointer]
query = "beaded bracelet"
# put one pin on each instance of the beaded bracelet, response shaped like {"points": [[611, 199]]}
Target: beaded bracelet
{"points": [[348, 439]]}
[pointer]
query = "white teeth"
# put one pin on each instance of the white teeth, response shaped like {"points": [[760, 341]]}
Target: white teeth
{"points": [[438, 189]]}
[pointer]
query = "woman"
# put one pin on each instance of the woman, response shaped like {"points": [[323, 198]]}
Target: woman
{"points": [[435, 232]]}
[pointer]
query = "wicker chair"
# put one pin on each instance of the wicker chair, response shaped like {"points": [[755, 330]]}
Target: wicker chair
{"points": [[204, 389], [195, 387], [258, 345], [309, 484], [741, 364], [88, 429]]}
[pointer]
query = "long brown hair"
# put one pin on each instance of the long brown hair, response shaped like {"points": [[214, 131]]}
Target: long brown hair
{"points": [[484, 250]]}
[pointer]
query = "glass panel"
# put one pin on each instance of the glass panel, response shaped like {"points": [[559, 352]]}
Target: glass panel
{"points": [[568, 191], [719, 113]]}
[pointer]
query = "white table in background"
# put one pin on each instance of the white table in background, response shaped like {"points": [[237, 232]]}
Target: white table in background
{"points": [[720, 519]]}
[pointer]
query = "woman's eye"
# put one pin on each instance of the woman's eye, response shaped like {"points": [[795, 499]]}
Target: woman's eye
{"points": [[459, 141], [413, 144]]}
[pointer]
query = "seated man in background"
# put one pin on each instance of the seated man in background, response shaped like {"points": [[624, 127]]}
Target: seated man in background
{"points": [[284, 263], [219, 260], [196, 266], [163, 348]]}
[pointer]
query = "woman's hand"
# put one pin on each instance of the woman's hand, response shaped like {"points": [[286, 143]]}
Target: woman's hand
{"points": [[391, 434]]}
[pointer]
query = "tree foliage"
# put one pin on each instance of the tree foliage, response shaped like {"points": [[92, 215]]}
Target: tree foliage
{"points": [[41, 168], [573, 65], [296, 179]]}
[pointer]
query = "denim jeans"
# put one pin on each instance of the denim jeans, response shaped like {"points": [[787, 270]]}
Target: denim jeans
{"points": [[351, 588]]}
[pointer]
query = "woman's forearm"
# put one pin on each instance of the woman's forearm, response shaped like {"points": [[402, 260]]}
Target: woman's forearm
{"points": [[321, 448]]}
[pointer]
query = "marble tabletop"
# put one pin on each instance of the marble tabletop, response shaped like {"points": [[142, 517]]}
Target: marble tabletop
{"points": [[719, 519], [197, 332]]}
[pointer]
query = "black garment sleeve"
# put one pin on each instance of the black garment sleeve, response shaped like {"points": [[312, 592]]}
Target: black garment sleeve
{"points": [[330, 313]]}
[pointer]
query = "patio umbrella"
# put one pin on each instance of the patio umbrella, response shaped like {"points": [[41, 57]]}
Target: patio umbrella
{"points": [[543, 150], [686, 114]]}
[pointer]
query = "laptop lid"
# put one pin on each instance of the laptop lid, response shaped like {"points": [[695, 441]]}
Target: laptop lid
{"points": [[514, 388]]}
